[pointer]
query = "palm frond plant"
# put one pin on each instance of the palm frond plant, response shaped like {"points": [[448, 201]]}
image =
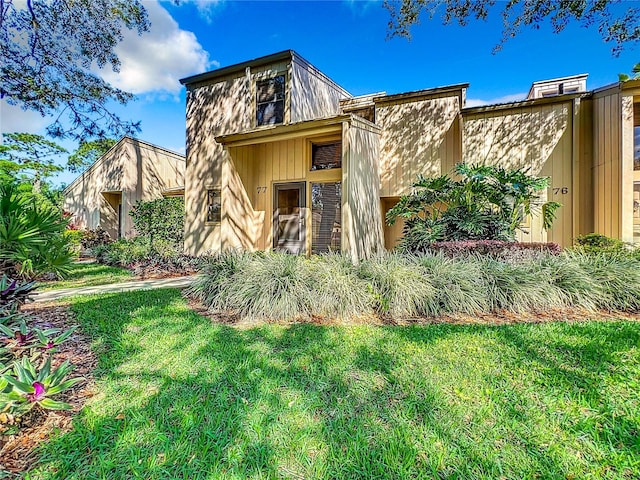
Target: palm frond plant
{"points": [[476, 202]]}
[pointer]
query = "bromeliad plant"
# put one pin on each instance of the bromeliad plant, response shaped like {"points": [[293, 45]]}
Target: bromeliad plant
{"points": [[482, 202], [28, 387]]}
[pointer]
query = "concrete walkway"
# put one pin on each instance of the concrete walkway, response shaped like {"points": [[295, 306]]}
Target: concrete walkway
{"points": [[152, 283]]}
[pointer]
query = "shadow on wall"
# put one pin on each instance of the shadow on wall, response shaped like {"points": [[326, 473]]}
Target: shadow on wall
{"points": [[413, 140], [518, 138], [535, 138], [311, 97], [211, 110], [362, 178]]}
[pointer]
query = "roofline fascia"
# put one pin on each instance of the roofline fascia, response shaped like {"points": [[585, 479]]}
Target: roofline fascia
{"points": [[122, 140], [525, 103], [429, 92], [238, 67]]}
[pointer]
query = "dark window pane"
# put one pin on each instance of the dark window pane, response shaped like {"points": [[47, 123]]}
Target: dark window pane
{"points": [[326, 199], [270, 101], [270, 113], [214, 205], [326, 155]]}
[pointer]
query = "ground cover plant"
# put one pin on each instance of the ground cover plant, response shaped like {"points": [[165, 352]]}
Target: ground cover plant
{"points": [[276, 287], [181, 397], [88, 274]]}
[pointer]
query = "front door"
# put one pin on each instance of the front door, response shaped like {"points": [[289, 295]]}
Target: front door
{"points": [[288, 217]]}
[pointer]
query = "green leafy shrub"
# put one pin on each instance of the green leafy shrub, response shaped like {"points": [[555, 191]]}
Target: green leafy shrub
{"points": [[483, 202], [160, 219], [94, 238], [73, 238], [32, 238], [596, 243]]}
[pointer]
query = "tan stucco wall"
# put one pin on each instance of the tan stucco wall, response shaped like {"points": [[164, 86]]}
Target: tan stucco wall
{"points": [[131, 171]]}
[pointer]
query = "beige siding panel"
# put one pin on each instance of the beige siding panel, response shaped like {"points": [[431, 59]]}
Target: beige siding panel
{"points": [[362, 234], [418, 137], [626, 166], [536, 137], [313, 95], [131, 171], [611, 173], [583, 167]]}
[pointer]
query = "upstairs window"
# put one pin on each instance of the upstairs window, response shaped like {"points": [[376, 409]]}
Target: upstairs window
{"points": [[270, 101], [326, 155]]}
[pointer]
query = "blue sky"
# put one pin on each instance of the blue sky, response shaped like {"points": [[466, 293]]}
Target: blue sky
{"points": [[347, 41]]}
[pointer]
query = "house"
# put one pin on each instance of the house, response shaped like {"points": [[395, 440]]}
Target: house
{"points": [[281, 157], [132, 170]]}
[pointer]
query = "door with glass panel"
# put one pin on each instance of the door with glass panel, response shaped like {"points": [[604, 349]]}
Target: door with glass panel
{"points": [[288, 217]]}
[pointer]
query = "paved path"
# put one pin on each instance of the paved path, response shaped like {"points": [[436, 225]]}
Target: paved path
{"points": [[177, 282]]}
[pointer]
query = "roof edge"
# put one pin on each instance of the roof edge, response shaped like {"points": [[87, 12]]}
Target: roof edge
{"points": [[238, 67], [525, 103], [420, 93]]}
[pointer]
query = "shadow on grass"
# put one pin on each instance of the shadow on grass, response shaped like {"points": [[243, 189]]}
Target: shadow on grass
{"points": [[181, 398]]}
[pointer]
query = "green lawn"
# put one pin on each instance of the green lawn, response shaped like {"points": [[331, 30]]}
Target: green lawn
{"points": [[88, 275], [182, 398]]}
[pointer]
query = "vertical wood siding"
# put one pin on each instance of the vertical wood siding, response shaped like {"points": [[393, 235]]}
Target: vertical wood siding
{"points": [[130, 172], [313, 95], [539, 138], [607, 164], [362, 234], [418, 137]]}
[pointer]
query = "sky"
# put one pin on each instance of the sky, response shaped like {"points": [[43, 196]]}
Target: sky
{"points": [[347, 40]]}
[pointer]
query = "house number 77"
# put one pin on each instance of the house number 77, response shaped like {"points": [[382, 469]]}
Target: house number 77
{"points": [[261, 189]]}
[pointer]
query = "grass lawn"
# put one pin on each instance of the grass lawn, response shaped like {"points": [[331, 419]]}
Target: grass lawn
{"points": [[88, 275], [182, 398]]}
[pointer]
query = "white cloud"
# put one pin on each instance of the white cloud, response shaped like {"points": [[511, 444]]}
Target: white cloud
{"points": [[476, 102], [14, 119], [207, 9], [156, 60]]}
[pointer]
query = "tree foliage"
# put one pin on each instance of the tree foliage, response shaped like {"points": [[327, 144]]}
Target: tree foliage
{"points": [[32, 238], [619, 28], [26, 156], [635, 74], [88, 152], [484, 202], [49, 53]]}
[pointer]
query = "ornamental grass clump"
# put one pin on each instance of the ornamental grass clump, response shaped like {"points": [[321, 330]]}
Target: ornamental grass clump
{"points": [[338, 291], [458, 282], [570, 274], [617, 278], [271, 287], [212, 286], [520, 287], [399, 286]]}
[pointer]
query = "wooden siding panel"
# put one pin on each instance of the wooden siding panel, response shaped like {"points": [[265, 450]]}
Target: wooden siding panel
{"points": [[362, 234], [313, 95], [538, 138], [417, 138]]}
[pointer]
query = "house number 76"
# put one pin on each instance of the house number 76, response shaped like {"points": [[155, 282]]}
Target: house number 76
{"points": [[560, 190]]}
